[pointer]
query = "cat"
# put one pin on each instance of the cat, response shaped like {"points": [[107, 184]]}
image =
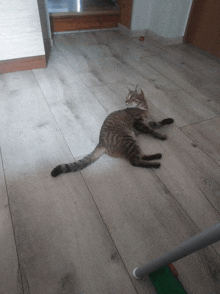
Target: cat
{"points": [[118, 136]]}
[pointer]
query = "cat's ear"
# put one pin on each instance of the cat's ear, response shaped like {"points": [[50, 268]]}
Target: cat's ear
{"points": [[142, 94], [136, 87]]}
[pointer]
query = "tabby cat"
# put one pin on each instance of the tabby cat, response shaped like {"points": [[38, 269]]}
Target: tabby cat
{"points": [[118, 136]]}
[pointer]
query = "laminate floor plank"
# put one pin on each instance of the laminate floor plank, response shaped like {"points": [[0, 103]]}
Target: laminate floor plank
{"points": [[201, 60], [17, 80], [199, 72], [86, 232], [176, 76], [76, 110], [85, 39], [187, 161], [187, 171], [168, 97], [109, 100], [63, 244], [10, 279], [145, 221], [136, 47], [172, 84], [207, 136], [73, 54], [112, 97]]}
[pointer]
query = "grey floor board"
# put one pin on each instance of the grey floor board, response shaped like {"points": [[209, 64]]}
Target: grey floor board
{"points": [[140, 212], [63, 244], [162, 92], [198, 72], [197, 67], [103, 37], [169, 98], [86, 232], [202, 61], [207, 136], [17, 80], [10, 280], [78, 56], [112, 97], [195, 168], [109, 100], [76, 110], [186, 172], [84, 39], [176, 76], [136, 47]]}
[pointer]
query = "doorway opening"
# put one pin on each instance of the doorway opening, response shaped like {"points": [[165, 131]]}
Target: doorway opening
{"points": [[74, 15]]}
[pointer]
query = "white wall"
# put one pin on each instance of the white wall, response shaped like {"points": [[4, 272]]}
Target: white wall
{"points": [[20, 33], [166, 18]]}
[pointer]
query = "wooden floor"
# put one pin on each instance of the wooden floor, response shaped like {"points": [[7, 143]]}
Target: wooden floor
{"points": [[86, 232]]}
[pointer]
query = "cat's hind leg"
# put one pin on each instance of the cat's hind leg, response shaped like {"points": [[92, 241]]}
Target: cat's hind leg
{"points": [[132, 152], [151, 157], [140, 162]]}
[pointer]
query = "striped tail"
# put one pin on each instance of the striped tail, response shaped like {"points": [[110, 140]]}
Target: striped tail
{"points": [[80, 164]]}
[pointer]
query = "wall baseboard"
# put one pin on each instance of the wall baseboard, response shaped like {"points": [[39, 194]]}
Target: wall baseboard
{"points": [[21, 64], [164, 41], [149, 34]]}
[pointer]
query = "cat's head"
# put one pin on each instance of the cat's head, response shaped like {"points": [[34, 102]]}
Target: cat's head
{"points": [[136, 99]]}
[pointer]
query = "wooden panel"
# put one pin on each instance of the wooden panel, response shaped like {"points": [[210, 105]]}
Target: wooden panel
{"points": [[203, 29], [126, 11], [22, 64], [84, 22]]}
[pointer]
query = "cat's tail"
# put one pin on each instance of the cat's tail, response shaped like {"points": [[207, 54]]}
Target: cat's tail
{"points": [[79, 164]]}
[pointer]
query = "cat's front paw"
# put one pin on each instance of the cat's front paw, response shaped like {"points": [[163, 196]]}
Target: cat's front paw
{"points": [[163, 137], [167, 121], [157, 156]]}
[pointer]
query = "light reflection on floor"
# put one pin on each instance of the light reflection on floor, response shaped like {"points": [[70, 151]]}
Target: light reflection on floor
{"points": [[78, 5]]}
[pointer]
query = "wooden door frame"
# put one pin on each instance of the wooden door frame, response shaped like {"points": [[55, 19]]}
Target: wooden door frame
{"points": [[189, 20]]}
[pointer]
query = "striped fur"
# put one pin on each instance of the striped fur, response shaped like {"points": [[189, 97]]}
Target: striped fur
{"points": [[118, 136]]}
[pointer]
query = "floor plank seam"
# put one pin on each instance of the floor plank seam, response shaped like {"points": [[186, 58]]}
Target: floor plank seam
{"points": [[198, 122], [178, 86], [198, 229], [88, 87], [207, 154], [107, 229], [11, 217], [57, 124]]}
